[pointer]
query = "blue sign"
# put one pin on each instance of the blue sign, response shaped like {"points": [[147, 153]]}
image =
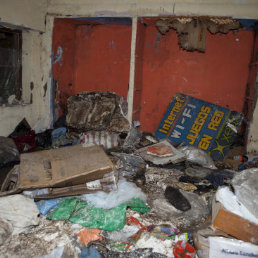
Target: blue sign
{"points": [[209, 127]]}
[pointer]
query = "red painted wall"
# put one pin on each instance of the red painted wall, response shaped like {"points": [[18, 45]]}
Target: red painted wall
{"points": [[219, 75], [102, 58], [97, 58]]}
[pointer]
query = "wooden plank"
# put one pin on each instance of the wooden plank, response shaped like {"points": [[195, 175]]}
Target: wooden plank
{"points": [[236, 226], [132, 70]]}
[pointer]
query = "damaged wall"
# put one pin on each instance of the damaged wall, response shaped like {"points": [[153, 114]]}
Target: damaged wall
{"points": [[36, 83]]}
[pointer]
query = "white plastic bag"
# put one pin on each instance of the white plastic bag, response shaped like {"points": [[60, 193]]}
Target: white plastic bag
{"points": [[126, 191], [19, 211]]}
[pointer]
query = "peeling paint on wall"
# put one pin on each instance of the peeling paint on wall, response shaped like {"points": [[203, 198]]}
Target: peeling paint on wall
{"points": [[59, 55]]}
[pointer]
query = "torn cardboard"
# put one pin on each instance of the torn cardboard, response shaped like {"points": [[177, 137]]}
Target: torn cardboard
{"points": [[64, 171]]}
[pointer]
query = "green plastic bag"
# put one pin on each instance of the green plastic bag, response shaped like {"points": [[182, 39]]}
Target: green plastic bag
{"points": [[79, 212]]}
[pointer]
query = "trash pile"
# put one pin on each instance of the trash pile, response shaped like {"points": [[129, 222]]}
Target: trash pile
{"points": [[96, 186]]}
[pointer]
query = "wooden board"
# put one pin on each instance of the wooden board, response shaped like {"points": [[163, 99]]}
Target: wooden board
{"points": [[236, 226], [62, 167]]}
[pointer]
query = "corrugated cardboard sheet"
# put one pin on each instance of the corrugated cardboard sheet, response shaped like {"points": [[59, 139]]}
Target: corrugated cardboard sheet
{"points": [[63, 167]]}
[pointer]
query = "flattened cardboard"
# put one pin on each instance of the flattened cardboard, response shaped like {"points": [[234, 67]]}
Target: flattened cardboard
{"points": [[63, 167]]}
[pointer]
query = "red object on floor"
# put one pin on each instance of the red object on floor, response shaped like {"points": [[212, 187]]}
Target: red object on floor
{"points": [[183, 250]]}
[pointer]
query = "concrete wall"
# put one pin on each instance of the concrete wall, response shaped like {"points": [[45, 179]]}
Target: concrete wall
{"points": [[29, 16], [26, 13], [128, 8]]}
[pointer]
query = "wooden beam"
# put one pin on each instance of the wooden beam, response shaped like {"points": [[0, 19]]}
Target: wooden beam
{"points": [[132, 70]]}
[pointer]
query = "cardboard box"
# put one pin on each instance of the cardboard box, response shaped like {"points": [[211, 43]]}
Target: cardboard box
{"points": [[233, 224], [209, 127]]}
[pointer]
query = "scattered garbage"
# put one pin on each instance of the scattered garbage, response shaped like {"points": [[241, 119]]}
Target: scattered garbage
{"points": [[159, 246], [245, 185], [131, 166], [57, 167], [183, 249], [223, 247], [120, 192], [124, 234], [5, 230], [45, 206], [90, 253]]}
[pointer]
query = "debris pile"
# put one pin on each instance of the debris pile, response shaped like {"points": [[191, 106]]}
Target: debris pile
{"points": [[97, 186]]}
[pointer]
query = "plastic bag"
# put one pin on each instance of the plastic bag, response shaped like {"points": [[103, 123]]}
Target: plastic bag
{"points": [[198, 156], [20, 211], [45, 206], [8, 152], [79, 212], [89, 235], [126, 191], [246, 187]]}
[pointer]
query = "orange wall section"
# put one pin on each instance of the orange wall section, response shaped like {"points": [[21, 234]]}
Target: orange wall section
{"points": [[219, 75], [102, 58], [95, 57]]}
